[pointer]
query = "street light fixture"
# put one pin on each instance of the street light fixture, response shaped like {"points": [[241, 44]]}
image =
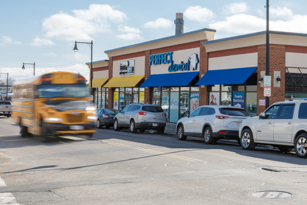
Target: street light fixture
{"points": [[91, 74], [23, 67]]}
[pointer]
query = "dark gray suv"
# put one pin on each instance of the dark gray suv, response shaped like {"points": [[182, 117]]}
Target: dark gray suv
{"points": [[139, 117]]}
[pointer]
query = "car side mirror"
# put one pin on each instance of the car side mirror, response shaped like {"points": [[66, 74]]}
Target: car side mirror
{"points": [[263, 115]]}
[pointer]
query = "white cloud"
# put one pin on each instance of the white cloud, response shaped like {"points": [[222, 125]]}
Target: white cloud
{"points": [[83, 23], [198, 13], [18, 73], [281, 12], [129, 36], [236, 8], [9, 40], [244, 23], [131, 33], [128, 29], [159, 23], [41, 42], [240, 23]]}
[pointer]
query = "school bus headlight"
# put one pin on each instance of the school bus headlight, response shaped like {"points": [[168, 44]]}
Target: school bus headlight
{"points": [[91, 108], [92, 117], [52, 119]]}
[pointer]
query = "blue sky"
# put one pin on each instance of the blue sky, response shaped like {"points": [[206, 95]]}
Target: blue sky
{"points": [[44, 31]]}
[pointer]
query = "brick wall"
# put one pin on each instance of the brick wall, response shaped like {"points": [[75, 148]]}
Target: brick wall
{"points": [[147, 94], [277, 63], [111, 90], [203, 68]]}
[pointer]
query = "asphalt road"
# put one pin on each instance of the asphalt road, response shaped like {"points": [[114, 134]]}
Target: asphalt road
{"points": [[125, 168]]}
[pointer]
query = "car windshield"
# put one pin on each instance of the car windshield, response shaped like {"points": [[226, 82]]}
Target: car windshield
{"points": [[5, 103], [152, 109], [62, 91], [233, 112]]}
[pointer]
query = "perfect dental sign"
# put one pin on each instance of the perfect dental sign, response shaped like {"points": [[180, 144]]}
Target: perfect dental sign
{"points": [[167, 58]]}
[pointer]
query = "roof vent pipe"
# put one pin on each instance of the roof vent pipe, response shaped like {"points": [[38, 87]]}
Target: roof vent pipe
{"points": [[179, 22]]}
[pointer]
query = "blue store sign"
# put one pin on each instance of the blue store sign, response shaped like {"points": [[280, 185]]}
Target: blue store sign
{"points": [[167, 58], [238, 99]]}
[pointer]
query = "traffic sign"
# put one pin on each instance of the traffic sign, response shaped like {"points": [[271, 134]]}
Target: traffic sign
{"points": [[267, 80]]}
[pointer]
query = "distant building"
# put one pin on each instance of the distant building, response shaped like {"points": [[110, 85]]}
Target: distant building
{"points": [[4, 87]]}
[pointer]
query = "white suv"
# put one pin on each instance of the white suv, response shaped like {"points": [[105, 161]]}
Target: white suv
{"points": [[212, 123], [283, 125]]}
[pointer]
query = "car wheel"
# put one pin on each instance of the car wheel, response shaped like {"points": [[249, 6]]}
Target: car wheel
{"points": [[98, 124], [116, 128], [24, 131], [160, 132], [89, 136], [301, 145], [132, 126], [247, 140], [208, 138], [141, 131], [180, 133], [284, 149], [44, 134]]}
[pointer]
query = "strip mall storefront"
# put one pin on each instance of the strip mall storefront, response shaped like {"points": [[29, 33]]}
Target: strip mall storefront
{"points": [[182, 72]]}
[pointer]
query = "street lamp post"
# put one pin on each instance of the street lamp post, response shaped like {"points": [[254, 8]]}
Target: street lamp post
{"points": [[23, 67], [91, 74], [7, 84], [267, 69]]}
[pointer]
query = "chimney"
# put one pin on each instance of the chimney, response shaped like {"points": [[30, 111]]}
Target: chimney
{"points": [[179, 23]]}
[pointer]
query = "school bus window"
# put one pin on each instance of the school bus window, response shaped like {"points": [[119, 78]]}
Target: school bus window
{"points": [[62, 91]]}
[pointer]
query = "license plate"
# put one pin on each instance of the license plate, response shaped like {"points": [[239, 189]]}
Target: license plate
{"points": [[76, 127], [154, 124]]}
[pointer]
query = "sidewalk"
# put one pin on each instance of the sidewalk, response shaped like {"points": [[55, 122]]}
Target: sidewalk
{"points": [[170, 128]]}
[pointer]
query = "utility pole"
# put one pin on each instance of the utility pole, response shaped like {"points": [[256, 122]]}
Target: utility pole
{"points": [[267, 69]]}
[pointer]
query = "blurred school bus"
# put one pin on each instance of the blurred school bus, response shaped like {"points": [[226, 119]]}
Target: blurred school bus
{"points": [[53, 104]]}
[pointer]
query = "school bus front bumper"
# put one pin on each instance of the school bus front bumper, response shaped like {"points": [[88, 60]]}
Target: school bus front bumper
{"points": [[70, 129]]}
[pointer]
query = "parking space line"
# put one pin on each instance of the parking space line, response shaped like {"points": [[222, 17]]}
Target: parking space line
{"points": [[6, 198]]}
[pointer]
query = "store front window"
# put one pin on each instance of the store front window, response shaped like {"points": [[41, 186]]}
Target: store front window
{"points": [[184, 102], [296, 83], [156, 96], [243, 96], [99, 98], [128, 96], [125, 96]]}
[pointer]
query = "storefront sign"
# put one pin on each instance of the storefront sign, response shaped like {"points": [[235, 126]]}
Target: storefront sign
{"points": [[126, 67], [214, 98], [115, 101], [262, 102], [194, 101], [167, 58], [267, 86], [238, 99]]}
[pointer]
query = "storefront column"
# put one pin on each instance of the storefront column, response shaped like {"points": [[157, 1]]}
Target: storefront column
{"points": [[277, 67], [203, 68], [147, 94]]}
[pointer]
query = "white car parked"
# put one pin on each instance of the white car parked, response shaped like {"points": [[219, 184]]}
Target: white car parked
{"points": [[283, 125], [212, 123]]}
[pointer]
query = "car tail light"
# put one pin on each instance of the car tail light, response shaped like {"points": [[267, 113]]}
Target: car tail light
{"points": [[142, 113], [221, 117], [163, 115], [105, 116], [222, 133]]}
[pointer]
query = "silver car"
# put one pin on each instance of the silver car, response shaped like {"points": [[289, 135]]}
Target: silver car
{"points": [[5, 108], [139, 117], [212, 123], [282, 125]]}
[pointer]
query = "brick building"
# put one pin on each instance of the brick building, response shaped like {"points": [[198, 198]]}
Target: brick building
{"points": [[184, 71]]}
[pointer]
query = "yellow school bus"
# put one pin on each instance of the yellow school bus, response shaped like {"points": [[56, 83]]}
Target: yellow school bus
{"points": [[53, 104]]}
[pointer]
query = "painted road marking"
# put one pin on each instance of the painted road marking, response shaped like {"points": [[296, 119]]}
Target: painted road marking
{"points": [[153, 151], [6, 198]]}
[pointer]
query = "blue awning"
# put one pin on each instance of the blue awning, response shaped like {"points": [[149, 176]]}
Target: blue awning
{"points": [[236, 76], [170, 79]]}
